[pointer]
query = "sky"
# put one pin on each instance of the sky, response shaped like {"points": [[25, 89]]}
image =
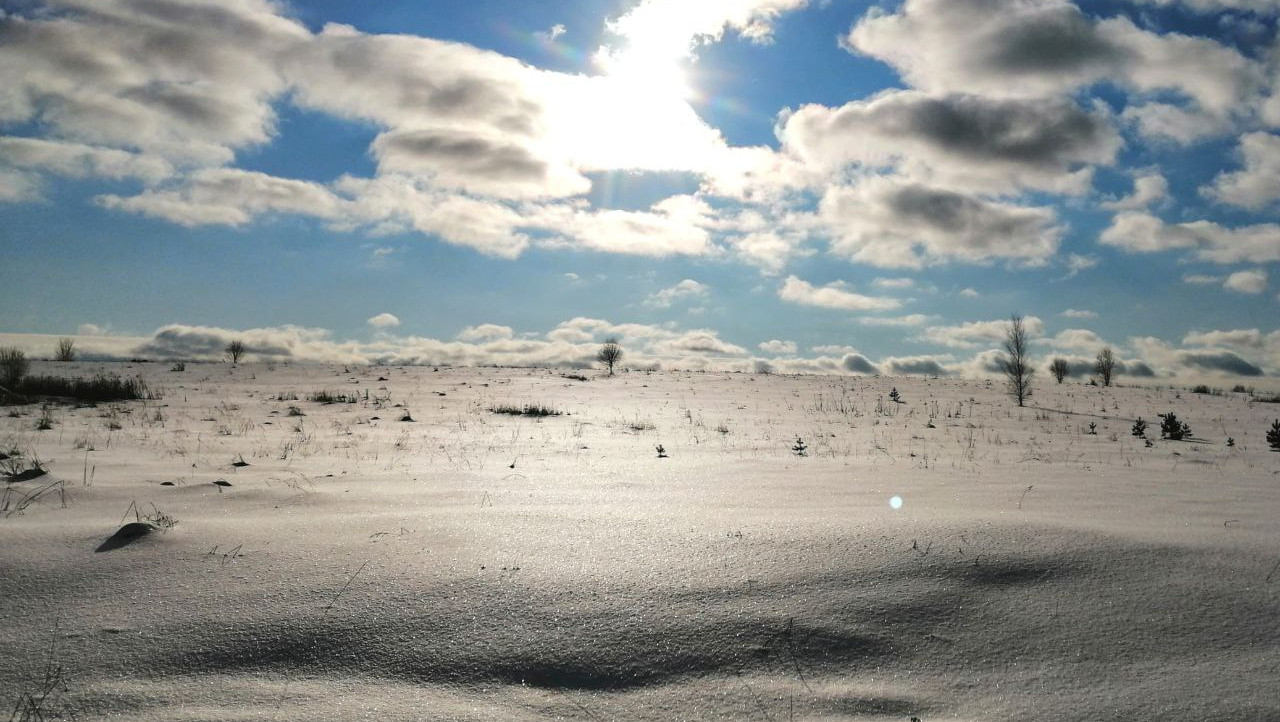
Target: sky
{"points": [[831, 186]]}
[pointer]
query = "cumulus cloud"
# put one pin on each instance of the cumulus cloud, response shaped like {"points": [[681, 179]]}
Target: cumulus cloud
{"points": [[979, 333], [1251, 282], [889, 223], [485, 332], [858, 364], [1045, 48], [1226, 362], [1201, 279], [894, 283], [777, 347], [1075, 313], [384, 320], [1075, 339], [77, 160], [1248, 338], [229, 196], [917, 365], [833, 295], [688, 289], [970, 293], [1258, 184], [1148, 188], [959, 141], [1140, 232]]}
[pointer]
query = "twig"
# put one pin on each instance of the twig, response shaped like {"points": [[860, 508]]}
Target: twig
{"points": [[348, 584]]}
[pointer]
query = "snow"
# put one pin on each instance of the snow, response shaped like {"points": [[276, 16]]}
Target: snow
{"points": [[470, 565]]}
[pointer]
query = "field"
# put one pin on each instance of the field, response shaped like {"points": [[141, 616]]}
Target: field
{"points": [[649, 546]]}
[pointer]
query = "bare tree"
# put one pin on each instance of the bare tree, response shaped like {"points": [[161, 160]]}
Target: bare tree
{"points": [[235, 350], [1060, 369], [610, 353], [1016, 362], [65, 350], [1105, 365]]}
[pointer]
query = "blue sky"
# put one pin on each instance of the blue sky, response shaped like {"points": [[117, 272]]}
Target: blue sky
{"points": [[832, 186]]}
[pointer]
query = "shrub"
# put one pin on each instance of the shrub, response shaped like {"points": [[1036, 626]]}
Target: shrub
{"points": [[65, 351], [13, 367], [100, 388], [526, 410], [1059, 368], [235, 350], [331, 397], [1273, 435], [1173, 429], [1140, 428]]}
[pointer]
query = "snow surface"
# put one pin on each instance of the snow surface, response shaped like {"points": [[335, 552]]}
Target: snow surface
{"points": [[469, 565]]}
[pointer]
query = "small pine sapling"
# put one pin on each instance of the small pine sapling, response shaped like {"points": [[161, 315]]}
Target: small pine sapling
{"points": [[1093, 429], [1273, 436], [800, 448], [662, 453], [895, 396], [1231, 443], [1140, 428], [1173, 429]]}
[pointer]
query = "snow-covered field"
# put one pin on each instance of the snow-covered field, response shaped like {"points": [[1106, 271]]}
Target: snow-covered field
{"points": [[948, 557]]}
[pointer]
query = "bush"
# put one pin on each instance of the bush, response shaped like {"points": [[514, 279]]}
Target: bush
{"points": [[100, 388], [1140, 428], [526, 410], [1173, 429], [65, 351], [1273, 435], [13, 367], [331, 397]]}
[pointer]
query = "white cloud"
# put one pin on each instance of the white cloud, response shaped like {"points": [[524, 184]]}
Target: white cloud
{"points": [[1200, 279], [1148, 187], [229, 196], [1075, 339], [78, 160], [485, 332], [90, 329], [685, 290], [979, 333], [19, 187], [887, 223], [1251, 281], [913, 319], [970, 293], [961, 142], [1077, 263], [1073, 313], [777, 347], [1258, 185], [833, 295], [896, 283], [1248, 338], [1045, 48], [833, 349], [384, 320], [1140, 232]]}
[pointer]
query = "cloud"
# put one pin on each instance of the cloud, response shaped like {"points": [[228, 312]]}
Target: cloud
{"points": [[1075, 339], [1267, 7], [77, 160], [19, 187], [90, 329], [1046, 48], [1251, 282], [1250, 338], [916, 365], [1226, 362], [895, 283], [833, 349], [858, 364], [1258, 185], [979, 333], [833, 296], [779, 348], [1077, 263], [383, 320], [1200, 279], [700, 342], [189, 82], [229, 196], [913, 319], [1073, 313], [485, 332], [970, 293], [685, 290], [888, 223], [963, 142], [1139, 232], [1149, 187]]}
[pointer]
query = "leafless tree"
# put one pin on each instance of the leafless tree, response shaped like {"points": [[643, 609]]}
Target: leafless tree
{"points": [[1105, 365], [1060, 369], [235, 350], [1016, 362], [65, 351], [13, 367], [610, 353]]}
